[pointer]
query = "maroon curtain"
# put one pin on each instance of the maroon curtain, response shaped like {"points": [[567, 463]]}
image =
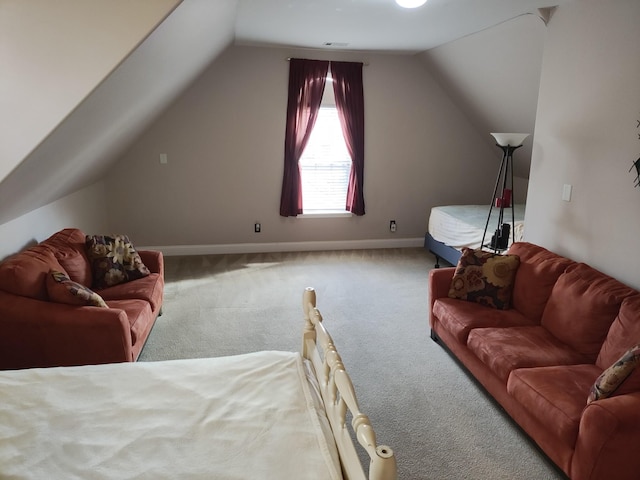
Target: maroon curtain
{"points": [[307, 79], [348, 91]]}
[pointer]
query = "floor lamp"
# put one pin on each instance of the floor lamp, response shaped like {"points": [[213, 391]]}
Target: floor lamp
{"points": [[502, 199]]}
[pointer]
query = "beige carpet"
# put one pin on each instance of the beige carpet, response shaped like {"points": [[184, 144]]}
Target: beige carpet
{"points": [[374, 303]]}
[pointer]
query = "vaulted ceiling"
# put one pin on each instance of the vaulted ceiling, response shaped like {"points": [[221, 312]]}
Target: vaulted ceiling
{"points": [[54, 144], [378, 25]]}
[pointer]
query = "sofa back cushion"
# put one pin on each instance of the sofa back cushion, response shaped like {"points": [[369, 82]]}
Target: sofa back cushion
{"points": [[624, 332], [69, 249], [583, 304], [25, 273], [537, 274]]}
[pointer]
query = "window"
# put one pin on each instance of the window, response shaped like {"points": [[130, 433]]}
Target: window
{"points": [[325, 165], [307, 80]]}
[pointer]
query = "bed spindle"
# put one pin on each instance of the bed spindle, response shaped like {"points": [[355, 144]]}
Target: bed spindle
{"points": [[339, 396]]}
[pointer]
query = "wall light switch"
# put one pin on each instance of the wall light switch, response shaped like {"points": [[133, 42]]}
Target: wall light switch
{"points": [[163, 158], [566, 192]]}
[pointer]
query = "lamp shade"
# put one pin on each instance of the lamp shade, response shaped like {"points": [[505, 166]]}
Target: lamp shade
{"points": [[510, 139]]}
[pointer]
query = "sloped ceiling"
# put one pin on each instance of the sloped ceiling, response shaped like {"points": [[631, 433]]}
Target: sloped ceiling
{"points": [[86, 144], [494, 77], [53, 54]]}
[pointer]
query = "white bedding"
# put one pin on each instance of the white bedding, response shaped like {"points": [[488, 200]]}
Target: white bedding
{"points": [[240, 417], [463, 225]]}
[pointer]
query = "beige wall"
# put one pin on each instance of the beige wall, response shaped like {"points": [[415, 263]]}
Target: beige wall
{"points": [[84, 209], [587, 135], [224, 140], [57, 53]]}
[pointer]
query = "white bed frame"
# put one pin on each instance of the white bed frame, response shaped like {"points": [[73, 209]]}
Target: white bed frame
{"points": [[339, 398]]}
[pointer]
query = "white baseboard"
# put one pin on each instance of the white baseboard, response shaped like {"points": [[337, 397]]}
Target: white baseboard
{"points": [[171, 250]]}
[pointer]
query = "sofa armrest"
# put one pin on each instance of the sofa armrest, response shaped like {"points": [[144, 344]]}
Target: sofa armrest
{"points": [[608, 439], [439, 283], [154, 260], [36, 333]]}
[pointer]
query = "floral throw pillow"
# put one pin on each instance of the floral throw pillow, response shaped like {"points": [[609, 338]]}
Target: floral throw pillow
{"points": [[485, 278], [113, 260], [611, 379], [61, 289]]}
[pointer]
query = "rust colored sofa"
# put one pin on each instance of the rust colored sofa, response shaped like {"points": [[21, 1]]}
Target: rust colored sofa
{"points": [[36, 331], [540, 358]]}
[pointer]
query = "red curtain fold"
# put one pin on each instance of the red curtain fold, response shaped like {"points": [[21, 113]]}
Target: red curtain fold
{"points": [[307, 80], [349, 96]]}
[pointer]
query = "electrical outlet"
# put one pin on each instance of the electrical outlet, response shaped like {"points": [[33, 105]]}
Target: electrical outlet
{"points": [[392, 226], [257, 227]]}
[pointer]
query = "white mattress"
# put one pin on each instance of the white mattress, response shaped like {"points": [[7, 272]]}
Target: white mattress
{"points": [[247, 416], [462, 226]]}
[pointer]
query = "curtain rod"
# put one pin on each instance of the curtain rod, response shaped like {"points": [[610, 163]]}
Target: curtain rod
{"points": [[364, 64]]}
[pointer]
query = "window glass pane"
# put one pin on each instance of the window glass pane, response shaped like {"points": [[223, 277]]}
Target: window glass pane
{"points": [[325, 165]]}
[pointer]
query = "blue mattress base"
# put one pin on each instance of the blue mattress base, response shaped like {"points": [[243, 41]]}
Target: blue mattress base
{"points": [[441, 251]]}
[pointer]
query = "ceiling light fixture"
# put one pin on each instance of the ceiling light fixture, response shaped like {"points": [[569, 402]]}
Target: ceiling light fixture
{"points": [[411, 3]]}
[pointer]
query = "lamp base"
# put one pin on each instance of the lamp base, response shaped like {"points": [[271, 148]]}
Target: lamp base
{"points": [[500, 239]]}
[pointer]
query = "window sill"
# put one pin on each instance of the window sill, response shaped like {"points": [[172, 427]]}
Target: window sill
{"points": [[325, 215]]}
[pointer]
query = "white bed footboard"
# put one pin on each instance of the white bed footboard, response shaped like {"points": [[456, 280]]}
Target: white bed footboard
{"points": [[339, 398]]}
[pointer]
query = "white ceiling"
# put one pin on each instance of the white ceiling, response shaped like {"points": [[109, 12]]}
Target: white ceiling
{"points": [[375, 25]]}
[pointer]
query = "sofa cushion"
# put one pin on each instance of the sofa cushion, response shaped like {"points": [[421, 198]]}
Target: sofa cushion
{"points": [[61, 289], [615, 376], [583, 304], [485, 278], [76, 265], [554, 395], [68, 246], [537, 274], [459, 317], [505, 349], [149, 288], [25, 273], [114, 260]]}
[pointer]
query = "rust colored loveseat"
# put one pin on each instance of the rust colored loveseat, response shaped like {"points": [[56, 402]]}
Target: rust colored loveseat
{"points": [[540, 359], [37, 330]]}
